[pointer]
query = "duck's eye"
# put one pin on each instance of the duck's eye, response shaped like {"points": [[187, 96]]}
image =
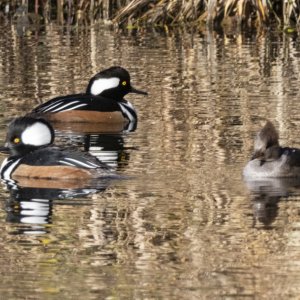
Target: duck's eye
{"points": [[16, 140], [124, 83]]}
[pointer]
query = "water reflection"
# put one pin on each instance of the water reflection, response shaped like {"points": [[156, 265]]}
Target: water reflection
{"points": [[266, 194], [108, 148], [96, 128], [184, 221], [34, 206]]}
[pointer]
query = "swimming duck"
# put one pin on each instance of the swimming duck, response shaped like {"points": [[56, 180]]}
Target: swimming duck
{"points": [[270, 159], [103, 101], [32, 156]]}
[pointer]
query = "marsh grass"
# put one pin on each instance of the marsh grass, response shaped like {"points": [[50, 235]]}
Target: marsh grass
{"points": [[140, 13]]}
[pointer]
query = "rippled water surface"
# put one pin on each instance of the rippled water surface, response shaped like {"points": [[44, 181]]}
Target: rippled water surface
{"points": [[182, 224]]}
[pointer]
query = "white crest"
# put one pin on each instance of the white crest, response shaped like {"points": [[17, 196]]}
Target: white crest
{"points": [[37, 134], [102, 84]]}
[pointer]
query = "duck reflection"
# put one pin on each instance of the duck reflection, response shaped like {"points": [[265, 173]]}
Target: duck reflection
{"points": [[26, 22], [108, 148], [33, 206], [95, 128], [266, 195]]}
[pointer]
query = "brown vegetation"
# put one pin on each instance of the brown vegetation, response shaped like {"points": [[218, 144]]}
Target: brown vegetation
{"points": [[214, 13]]}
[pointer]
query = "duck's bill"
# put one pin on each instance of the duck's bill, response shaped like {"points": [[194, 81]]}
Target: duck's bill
{"points": [[4, 149], [257, 154], [133, 90]]}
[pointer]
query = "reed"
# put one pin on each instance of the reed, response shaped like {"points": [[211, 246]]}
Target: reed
{"points": [[212, 13]]}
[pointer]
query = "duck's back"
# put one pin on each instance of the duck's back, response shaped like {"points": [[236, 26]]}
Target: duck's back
{"points": [[85, 108], [286, 165], [52, 162]]}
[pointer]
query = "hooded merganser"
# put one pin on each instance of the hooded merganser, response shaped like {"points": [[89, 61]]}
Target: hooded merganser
{"points": [[28, 140], [270, 159], [103, 101]]}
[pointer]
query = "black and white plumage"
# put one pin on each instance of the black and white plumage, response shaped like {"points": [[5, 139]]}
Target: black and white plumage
{"points": [[53, 156], [105, 94], [29, 140], [77, 102]]}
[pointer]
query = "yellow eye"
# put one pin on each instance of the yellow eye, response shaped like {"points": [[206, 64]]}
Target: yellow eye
{"points": [[17, 140], [124, 83]]}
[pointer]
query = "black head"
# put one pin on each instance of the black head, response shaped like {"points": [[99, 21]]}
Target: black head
{"points": [[112, 83], [26, 134]]}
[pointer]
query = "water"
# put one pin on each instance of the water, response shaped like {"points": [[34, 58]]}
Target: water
{"points": [[183, 224]]}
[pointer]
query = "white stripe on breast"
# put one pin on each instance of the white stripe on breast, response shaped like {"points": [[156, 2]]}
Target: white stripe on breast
{"points": [[124, 108], [7, 173]]}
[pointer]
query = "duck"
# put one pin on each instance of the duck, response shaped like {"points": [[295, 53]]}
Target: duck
{"points": [[33, 156], [269, 159], [103, 101]]}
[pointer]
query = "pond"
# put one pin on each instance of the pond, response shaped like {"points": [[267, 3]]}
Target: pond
{"points": [[180, 223]]}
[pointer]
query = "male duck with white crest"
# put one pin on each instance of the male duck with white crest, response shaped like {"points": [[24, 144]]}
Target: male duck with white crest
{"points": [[102, 103], [32, 157]]}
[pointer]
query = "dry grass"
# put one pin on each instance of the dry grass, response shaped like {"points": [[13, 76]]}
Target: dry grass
{"points": [[244, 13], [250, 13]]}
